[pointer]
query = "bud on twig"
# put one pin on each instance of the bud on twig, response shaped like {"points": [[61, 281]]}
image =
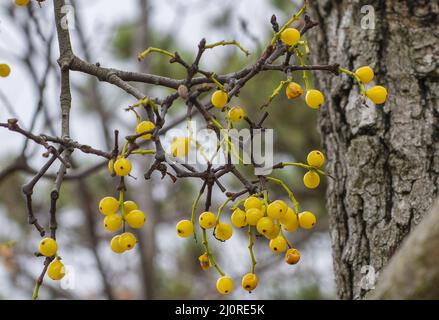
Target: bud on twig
{"points": [[183, 91]]}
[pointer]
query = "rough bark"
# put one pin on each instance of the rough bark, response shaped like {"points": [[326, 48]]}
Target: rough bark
{"points": [[413, 272], [385, 159]]}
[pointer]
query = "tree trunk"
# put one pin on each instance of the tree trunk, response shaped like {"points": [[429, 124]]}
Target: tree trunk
{"points": [[385, 159], [413, 272]]}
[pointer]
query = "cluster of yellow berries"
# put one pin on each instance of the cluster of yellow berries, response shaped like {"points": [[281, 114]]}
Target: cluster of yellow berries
{"points": [[207, 220], [130, 215], [269, 222], [250, 281], [377, 94], [314, 98], [113, 222], [219, 100], [269, 218], [315, 160], [49, 248]]}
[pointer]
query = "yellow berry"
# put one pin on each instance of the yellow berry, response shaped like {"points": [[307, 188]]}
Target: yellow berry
{"points": [[290, 36], [180, 146], [204, 261], [135, 219], [224, 285], [21, 3], [115, 245], [108, 205], [253, 215], [293, 90], [112, 222], [252, 202], [307, 220], [238, 218], [288, 217], [311, 179], [249, 282], [122, 167], [5, 70], [145, 126], [111, 166], [290, 221], [365, 74], [314, 99], [207, 220], [273, 234], [236, 114], [277, 209], [377, 94], [56, 270], [219, 99], [129, 206], [223, 231], [127, 241], [315, 159], [292, 256], [48, 247], [185, 228], [265, 225], [278, 244]]}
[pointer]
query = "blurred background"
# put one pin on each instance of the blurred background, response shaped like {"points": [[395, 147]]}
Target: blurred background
{"points": [[163, 266]]}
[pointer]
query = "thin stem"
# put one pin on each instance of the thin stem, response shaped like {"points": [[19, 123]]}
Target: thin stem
{"points": [[286, 239], [301, 58], [216, 123], [250, 248], [143, 152], [236, 205], [218, 84], [142, 55], [226, 43], [124, 149], [194, 207], [209, 253], [305, 166], [357, 78], [266, 200], [289, 22], [276, 92], [288, 190], [220, 209], [36, 290], [122, 208]]}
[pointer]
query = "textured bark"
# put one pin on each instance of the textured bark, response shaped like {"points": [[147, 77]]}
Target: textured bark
{"points": [[385, 159], [413, 272]]}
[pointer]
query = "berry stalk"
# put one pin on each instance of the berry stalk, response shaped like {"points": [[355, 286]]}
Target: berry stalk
{"points": [[209, 253], [250, 249]]}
